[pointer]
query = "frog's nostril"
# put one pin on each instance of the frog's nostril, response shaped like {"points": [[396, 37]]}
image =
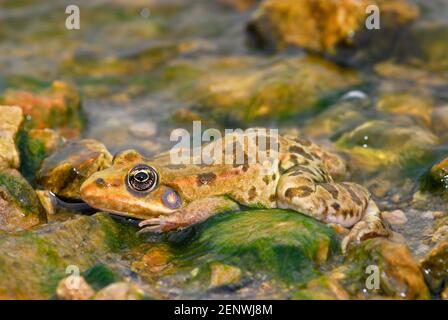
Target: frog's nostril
{"points": [[100, 182]]}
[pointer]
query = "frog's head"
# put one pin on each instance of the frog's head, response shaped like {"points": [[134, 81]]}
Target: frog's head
{"points": [[132, 187]]}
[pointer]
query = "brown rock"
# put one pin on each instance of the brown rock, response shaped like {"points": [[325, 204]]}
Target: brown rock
{"points": [[120, 291], [58, 107], [400, 275], [435, 266], [70, 165], [418, 107], [10, 120], [396, 217], [74, 288], [222, 274], [328, 26], [19, 205]]}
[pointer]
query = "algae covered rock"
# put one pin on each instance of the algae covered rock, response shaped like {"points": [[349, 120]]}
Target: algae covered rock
{"points": [[378, 143], [34, 262], [400, 275], [435, 267], [426, 46], [437, 178], [57, 107], [341, 117], [10, 120], [374, 269], [19, 205], [334, 28], [34, 146], [415, 106], [245, 91], [283, 244], [70, 165]]}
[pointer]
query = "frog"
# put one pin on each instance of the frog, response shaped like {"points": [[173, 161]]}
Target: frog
{"points": [[168, 196]]}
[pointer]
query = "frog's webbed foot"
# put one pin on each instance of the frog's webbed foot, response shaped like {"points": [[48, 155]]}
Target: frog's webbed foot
{"points": [[371, 226], [195, 212], [158, 225]]}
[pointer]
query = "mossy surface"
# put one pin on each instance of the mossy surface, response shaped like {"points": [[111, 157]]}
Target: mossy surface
{"points": [[34, 261], [21, 192], [284, 244]]}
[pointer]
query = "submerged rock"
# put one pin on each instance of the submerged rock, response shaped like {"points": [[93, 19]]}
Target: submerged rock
{"points": [[376, 268], [74, 288], [243, 91], [70, 165], [377, 144], [343, 116], [426, 46], [334, 28], [400, 276], [58, 107], [440, 122], [33, 262], [10, 120], [19, 205], [417, 107]]}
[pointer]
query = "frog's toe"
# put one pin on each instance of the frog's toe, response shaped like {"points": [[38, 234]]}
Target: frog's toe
{"points": [[151, 229], [364, 230], [156, 225], [150, 222]]}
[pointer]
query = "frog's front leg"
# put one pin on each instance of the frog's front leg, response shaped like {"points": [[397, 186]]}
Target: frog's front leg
{"points": [[346, 204], [195, 212]]}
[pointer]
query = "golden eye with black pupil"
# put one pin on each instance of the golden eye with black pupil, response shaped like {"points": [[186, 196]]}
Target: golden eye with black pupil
{"points": [[142, 178]]}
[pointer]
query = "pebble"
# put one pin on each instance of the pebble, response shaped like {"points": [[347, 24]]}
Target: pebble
{"points": [[74, 288], [145, 129], [396, 217], [422, 249], [120, 291], [439, 234]]}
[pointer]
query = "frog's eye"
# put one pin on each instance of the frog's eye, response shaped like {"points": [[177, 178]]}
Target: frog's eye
{"points": [[142, 178]]}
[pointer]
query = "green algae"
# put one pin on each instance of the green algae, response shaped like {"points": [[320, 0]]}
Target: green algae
{"points": [[35, 261], [100, 276], [22, 194], [284, 244]]}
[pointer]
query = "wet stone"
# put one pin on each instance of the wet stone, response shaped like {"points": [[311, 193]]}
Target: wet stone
{"points": [[35, 261], [282, 244], [19, 205], [435, 266], [57, 107], [396, 217], [70, 165], [74, 288], [35, 145], [400, 275], [315, 26], [222, 274], [10, 120], [247, 91]]}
